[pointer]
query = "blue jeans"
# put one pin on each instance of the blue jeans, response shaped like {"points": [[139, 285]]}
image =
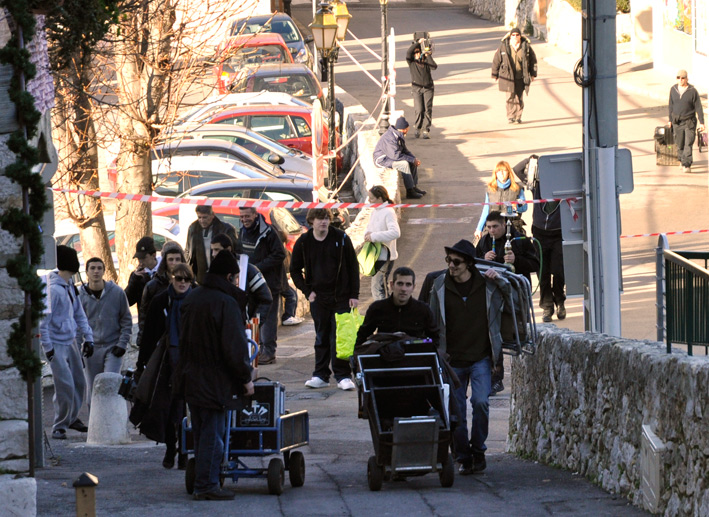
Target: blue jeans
{"points": [[380, 279], [290, 302], [208, 427], [478, 376], [325, 344]]}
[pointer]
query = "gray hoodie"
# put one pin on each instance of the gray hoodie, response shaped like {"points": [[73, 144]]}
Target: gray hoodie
{"points": [[109, 315], [63, 316]]}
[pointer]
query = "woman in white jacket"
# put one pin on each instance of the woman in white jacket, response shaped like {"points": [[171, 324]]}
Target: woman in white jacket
{"points": [[383, 227]]}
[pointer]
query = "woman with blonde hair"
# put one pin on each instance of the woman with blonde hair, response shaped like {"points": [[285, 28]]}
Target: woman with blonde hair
{"points": [[502, 188], [382, 227]]}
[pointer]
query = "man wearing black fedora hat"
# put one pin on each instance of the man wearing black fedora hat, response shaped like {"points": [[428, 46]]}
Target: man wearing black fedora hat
{"points": [[391, 151], [148, 263], [459, 303]]}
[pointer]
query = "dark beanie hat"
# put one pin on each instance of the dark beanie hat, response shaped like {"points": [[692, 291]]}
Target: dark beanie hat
{"points": [[67, 259], [516, 31], [401, 123], [224, 264]]}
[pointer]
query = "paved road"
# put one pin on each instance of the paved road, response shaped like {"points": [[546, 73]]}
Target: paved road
{"points": [[471, 134]]}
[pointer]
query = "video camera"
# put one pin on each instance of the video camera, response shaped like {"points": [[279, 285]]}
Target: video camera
{"points": [[427, 44]]}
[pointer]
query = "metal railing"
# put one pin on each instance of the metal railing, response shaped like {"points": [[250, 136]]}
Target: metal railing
{"points": [[682, 297]]}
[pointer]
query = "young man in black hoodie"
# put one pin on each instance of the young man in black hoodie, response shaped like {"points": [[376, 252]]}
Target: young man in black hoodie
{"points": [[324, 267], [421, 63]]}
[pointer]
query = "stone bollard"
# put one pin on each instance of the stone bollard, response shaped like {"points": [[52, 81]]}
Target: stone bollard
{"points": [[108, 420]]}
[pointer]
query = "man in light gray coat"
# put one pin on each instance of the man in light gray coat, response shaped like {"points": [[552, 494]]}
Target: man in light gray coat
{"points": [[106, 308], [58, 331]]}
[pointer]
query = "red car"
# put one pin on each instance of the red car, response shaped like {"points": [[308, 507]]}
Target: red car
{"points": [[289, 125], [247, 51], [280, 218]]}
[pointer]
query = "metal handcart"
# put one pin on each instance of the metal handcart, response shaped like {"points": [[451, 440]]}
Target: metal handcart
{"points": [[263, 428], [406, 405]]}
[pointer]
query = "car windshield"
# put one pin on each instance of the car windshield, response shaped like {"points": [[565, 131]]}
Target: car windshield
{"points": [[297, 85], [256, 56], [283, 27]]}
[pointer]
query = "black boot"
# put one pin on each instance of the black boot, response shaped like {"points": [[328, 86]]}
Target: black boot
{"points": [[169, 460], [412, 194], [420, 191]]}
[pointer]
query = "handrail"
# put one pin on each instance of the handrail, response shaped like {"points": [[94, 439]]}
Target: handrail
{"points": [[682, 297]]}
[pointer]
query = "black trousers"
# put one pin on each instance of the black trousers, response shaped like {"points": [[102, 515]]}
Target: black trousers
{"points": [[685, 133], [551, 282], [423, 106]]}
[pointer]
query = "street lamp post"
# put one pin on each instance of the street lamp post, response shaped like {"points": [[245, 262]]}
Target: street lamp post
{"points": [[329, 26], [384, 121]]}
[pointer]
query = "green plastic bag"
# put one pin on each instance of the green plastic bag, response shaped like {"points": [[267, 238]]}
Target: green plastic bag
{"points": [[368, 256], [348, 324]]}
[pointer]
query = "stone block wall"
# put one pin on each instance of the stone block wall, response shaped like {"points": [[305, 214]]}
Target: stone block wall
{"points": [[580, 403]]}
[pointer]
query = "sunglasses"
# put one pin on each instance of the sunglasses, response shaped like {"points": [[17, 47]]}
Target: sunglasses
{"points": [[182, 279], [456, 262], [681, 77]]}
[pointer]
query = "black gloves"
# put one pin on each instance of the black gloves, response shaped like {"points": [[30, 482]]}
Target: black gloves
{"points": [[118, 351], [88, 349], [50, 355]]}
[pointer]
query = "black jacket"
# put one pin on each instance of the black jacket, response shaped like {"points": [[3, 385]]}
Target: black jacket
{"points": [[684, 108], [265, 251], [344, 286], [414, 319], [214, 356], [545, 216], [503, 69], [526, 260], [195, 253], [420, 69], [157, 285], [136, 284]]}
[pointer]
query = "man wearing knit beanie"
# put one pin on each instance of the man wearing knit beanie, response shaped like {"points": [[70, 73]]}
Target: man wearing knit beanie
{"points": [[214, 372], [64, 320], [391, 151]]}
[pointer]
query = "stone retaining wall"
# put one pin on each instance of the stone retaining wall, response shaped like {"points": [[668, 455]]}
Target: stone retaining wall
{"points": [[580, 403]]}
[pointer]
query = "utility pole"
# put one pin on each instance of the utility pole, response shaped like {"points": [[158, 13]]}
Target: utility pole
{"points": [[602, 282]]}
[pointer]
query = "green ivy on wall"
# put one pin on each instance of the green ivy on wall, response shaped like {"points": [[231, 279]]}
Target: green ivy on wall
{"points": [[15, 220]]}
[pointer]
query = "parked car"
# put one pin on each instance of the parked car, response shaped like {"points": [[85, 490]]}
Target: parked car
{"points": [[217, 103], [289, 125], [293, 159], [66, 233], [225, 149], [248, 50], [273, 190], [173, 176], [281, 219], [282, 24], [294, 79]]}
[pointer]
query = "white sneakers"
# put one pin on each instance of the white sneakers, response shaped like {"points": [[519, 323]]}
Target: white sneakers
{"points": [[293, 320], [316, 382], [346, 384]]}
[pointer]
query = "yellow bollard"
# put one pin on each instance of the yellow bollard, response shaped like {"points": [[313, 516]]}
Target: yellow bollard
{"points": [[85, 486]]}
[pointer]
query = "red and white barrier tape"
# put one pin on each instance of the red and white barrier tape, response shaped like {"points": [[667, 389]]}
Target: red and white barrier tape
{"points": [[262, 203]]}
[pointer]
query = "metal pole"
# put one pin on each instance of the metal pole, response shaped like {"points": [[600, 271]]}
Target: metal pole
{"points": [[384, 121], [331, 144], [600, 145]]}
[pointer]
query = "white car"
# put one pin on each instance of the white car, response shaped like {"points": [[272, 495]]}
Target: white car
{"points": [[215, 104], [172, 176], [67, 233]]}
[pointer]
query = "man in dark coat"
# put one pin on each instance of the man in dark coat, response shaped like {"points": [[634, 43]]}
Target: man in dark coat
{"points": [[421, 63], [261, 242], [522, 256], [213, 373], [148, 263], [199, 237], [514, 67], [391, 151], [684, 103]]}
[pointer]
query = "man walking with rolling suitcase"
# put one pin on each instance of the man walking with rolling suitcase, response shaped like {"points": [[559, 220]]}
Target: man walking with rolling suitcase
{"points": [[683, 105]]}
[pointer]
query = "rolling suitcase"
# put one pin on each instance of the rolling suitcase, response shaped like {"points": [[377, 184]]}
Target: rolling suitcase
{"points": [[665, 151]]}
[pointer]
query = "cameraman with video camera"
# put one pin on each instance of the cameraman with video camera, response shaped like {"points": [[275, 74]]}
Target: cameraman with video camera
{"points": [[420, 60]]}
